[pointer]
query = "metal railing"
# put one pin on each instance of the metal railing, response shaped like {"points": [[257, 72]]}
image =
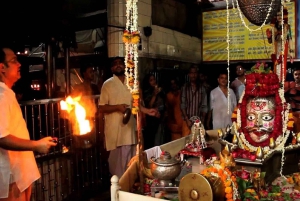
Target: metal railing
{"points": [[67, 173]]}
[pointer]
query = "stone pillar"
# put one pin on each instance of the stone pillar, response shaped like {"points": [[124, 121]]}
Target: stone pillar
{"points": [[116, 17]]}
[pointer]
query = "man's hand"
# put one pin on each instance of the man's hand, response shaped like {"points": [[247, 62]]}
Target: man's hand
{"points": [[122, 107], [43, 145]]}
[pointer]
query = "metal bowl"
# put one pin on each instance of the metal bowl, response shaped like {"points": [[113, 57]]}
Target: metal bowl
{"points": [[165, 169], [127, 115]]}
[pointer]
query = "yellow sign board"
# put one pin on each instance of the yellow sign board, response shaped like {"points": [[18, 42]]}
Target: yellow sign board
{"points": [[244, 45]]}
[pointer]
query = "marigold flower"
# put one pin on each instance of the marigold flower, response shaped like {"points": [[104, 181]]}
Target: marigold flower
{"points": [[135, 39], [229, 196], [228, 190], [227, 183], [249, 190]]}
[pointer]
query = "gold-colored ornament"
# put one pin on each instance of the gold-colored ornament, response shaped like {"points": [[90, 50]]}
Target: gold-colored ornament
{"points": [[194, 195], [220, 133], [298, 138], [272, 143], [226, 159], [227, 148], [235, 139], [259, 153], [196, 187]]}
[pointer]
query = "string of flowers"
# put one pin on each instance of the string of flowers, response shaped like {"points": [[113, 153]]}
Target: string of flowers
{"points": [[267, 151], [281, 90], [282, 41], [131, 38], [228, 58]]}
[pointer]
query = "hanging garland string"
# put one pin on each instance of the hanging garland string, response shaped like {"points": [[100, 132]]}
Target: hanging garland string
{"points": [[228, 57], [131, 38]]}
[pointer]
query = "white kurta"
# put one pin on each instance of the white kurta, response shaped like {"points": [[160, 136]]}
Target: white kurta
{"points": [[15, 166], [219, 107], [117, 134]]}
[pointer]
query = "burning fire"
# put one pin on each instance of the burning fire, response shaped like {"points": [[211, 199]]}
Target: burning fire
{"points": [[80, 123]]}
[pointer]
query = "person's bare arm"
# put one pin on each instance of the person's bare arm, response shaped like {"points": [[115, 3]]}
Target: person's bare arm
{"points": [[13, 143], [150, 112]]}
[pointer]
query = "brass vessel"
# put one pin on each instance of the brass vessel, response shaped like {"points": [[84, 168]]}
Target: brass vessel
{"points": [[194, 187], [165, 168]]}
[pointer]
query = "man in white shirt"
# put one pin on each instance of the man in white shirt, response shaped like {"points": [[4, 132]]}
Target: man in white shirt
{"points": [[238, 85], [219, 104], [18, 168], [120, 139]]}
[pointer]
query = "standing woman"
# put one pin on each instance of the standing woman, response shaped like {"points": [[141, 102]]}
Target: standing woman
{"points": [[174, 115], [153, 97]]}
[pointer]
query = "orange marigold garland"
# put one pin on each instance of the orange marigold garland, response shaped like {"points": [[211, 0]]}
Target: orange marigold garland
{"points": [[228, 179], [131, 38], [135, 104]]}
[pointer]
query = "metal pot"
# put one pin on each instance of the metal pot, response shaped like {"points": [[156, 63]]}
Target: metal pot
{"points": [[85, 141], [165, 168]]}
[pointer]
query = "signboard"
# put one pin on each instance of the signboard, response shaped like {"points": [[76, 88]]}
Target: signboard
{"points": [[244, 45]]}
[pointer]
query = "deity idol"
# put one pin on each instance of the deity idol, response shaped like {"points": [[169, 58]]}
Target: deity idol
{"points": [[262, 116]]}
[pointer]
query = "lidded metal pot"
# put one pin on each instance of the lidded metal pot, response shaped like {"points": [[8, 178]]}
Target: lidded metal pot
{"points": [[165, 168]]}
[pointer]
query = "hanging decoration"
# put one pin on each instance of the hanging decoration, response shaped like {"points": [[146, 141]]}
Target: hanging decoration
{"points": [[228, 56], [280, 36], [131, 38], [259, 12]]}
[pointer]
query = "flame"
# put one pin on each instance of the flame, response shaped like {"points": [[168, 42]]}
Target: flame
{"points": [[72, 104]]}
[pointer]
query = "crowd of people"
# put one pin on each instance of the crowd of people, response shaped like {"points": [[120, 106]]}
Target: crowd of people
{"points": [[167, 114]]}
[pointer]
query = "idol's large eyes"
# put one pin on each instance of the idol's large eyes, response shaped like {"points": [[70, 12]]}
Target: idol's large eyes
{"points": [[251, 117], [267, 117]]}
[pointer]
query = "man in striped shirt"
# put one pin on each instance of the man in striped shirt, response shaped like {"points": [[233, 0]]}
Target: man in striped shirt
{"points": [[193, 100]]}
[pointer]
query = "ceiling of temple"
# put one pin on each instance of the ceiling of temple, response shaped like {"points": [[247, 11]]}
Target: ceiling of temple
{"points": [[34, 19]]}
